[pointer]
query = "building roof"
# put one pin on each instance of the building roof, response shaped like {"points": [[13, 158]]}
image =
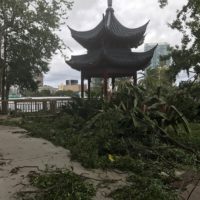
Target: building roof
{"points": [[110, 32], [112, 58], [109, 49]]}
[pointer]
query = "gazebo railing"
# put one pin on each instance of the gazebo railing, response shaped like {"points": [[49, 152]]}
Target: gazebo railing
{"points": [[35, 105]]}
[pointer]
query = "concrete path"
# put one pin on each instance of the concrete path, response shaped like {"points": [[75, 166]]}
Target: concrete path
{"points": [[20, 154]]}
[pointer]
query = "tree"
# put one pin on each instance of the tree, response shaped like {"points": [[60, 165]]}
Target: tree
{"points": [[44, 93], [68, 93], [186, 98], [155, 79], [187, 56], [28, 40]]}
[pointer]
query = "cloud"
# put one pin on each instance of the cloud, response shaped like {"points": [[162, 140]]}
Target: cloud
{"points": [[86, 14]]}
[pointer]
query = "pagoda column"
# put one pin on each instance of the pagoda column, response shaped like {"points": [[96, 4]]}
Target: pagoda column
{"points": [[105, 87], [135, 78], [82, 85], [89, 88], [113, 83]]}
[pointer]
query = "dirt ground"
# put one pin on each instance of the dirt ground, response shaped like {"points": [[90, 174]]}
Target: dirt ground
{"points": [[20, 155]]}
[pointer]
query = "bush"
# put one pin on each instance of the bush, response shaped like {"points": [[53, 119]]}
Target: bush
{"points": [[132, 132], [57, 185]]}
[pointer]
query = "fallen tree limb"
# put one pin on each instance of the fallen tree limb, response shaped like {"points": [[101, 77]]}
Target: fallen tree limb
{"points": [[194, 188]]}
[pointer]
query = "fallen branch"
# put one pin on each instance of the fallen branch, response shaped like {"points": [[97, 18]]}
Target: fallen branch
{"points": [[174, 142], [16, 169], [194, 188]]}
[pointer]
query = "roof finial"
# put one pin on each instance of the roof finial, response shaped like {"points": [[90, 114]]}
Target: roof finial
{"points": [[109, 3]]}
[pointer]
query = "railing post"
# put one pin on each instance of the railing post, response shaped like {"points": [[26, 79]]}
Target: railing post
{"points": [[15, 104], [53, 106], [44, 106]]}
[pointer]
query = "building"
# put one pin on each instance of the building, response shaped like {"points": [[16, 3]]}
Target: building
{"points": [[14, 92], [48, 87], [109, 51], [161, 50], [71, 85], [71, 82]]}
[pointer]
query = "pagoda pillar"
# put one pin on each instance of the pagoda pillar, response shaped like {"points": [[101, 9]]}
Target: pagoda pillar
{"points": [[135, 78], [89, 88], [105, 87], [82, 85], [113, 83]]}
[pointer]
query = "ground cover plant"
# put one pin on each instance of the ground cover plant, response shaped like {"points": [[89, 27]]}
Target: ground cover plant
{"points": [[132, 132], [186, 98], [57, 185]]}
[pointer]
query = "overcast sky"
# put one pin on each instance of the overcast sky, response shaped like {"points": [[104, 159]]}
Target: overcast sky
{"points": [[86, 14]]}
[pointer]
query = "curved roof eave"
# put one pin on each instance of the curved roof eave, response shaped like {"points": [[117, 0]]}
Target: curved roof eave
{"points": [[114, 28], [120, 31], [87, 35], [142, 59]]}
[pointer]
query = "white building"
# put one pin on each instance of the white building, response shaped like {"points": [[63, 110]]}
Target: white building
{"points": [[161, 50]]}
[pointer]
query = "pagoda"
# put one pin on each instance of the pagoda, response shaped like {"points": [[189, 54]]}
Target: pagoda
{"points": [[109, 53]]}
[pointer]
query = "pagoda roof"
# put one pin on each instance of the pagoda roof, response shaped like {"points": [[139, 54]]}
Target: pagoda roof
{"points": [[116, 59], [110, 32]]}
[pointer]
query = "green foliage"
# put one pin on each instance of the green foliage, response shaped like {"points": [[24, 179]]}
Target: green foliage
{"points": [[59, 185], [156, 80], [186, 98], [187, 22], [132, 132], [27, 36], [195, 139], [45, 93], [68, 93], [152, 189], [83, 108]]}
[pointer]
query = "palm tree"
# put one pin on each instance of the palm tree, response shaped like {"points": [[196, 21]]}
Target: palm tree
{"points": [[154, 78]]}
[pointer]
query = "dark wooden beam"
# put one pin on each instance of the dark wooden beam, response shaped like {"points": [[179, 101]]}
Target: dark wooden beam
{"points": [[135, 78], [113, 83], [82, 85], [89, 88], [105, 86]]}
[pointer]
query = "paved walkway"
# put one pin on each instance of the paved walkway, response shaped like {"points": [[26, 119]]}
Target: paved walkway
{"points": [[20, 155]]}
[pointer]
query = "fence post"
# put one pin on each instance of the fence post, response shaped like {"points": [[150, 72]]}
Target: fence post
{"points": [[53, 106], [15, 102], [44, 105]]}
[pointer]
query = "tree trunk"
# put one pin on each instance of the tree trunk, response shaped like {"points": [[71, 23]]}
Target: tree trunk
{"points": [[5, 89], [3, 99]]}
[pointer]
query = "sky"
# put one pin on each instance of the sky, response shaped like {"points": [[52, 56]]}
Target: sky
{"points": [[86, 14]]}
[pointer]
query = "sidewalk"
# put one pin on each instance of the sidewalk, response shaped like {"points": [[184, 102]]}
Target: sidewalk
{"points": [[20, 155]]}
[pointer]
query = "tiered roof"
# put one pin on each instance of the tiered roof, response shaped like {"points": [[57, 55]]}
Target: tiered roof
{"points": [[109, 47], [110, 33]]}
